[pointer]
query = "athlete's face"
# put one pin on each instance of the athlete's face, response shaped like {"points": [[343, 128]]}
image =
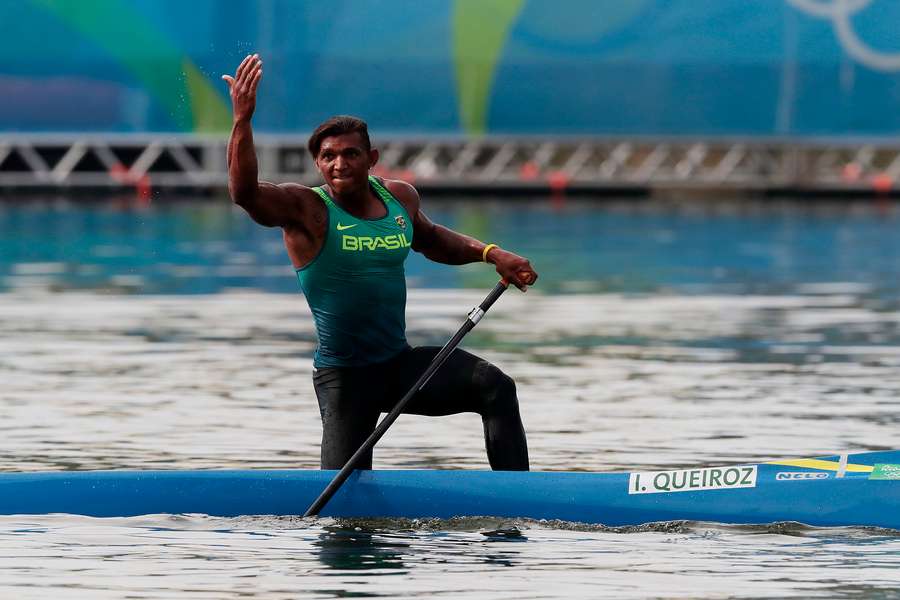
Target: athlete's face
{"points": [[344, 162]]}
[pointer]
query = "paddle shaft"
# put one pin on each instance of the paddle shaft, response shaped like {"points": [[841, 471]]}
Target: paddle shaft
{"points": [[473, 318]]}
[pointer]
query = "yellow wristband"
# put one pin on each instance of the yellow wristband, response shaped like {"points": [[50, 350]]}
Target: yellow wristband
{"points": [[487, 249]]}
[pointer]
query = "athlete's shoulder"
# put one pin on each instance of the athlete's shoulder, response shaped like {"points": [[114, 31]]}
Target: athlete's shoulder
{"points": [[297, 190], [303, 203], [301, 195], [404, 192]]}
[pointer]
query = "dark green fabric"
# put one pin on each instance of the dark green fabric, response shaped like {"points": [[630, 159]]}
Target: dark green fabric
{"points": [[356, 286]]}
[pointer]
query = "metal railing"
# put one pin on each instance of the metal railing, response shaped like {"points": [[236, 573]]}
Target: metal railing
{"points": [[490, 163]]}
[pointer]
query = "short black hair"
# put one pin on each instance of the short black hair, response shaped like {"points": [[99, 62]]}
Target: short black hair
{"points": [[338, 125]]}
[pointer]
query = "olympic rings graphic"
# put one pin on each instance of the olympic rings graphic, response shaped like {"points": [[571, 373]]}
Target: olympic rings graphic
{"points": [[840, 12]]}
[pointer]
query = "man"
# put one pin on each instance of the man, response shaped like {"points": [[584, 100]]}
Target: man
{"points": [[348, 240]]}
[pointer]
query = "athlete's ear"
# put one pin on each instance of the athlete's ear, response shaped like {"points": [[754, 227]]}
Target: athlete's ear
{"points": [[373, 157]]}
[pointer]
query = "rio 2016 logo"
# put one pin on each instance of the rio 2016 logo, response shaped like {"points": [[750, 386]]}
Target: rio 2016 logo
{"points": [[840, 13]]}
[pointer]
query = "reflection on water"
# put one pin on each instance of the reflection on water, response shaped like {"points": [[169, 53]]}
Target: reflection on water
{"points": [[371, 544], [658, 337], [353, 548]]}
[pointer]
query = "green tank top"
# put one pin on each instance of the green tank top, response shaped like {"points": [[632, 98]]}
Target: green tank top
{"points": [[356, 285]]}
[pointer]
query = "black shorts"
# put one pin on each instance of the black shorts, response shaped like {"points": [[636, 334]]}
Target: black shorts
{"points": [[351, 399]]}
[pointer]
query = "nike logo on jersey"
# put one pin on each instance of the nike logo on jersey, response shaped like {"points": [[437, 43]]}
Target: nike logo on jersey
{"points": [[343, 227]]}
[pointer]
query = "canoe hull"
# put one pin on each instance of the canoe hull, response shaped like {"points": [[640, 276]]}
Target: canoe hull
{"points": [[825, 491]]}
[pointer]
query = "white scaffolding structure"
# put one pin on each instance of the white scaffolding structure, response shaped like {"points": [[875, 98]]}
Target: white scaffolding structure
{"points": [[489, 163]]}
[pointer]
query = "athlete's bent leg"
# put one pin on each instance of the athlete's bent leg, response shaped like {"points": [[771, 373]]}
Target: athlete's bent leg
{"points": [[504, 435], [465, 383]]}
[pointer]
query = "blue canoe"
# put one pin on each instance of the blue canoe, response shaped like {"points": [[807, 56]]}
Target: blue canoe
{"points": [[856, 489]]}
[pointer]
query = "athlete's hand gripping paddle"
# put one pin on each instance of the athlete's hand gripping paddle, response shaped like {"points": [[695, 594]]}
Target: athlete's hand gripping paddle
{"points": [[472, 320]]}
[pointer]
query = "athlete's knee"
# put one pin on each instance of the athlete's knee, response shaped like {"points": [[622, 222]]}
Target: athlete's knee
{"points": [[496, 388]]}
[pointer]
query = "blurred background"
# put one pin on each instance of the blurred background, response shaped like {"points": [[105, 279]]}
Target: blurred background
{"points": [[706, 187], [773, 95], [696, 182]]}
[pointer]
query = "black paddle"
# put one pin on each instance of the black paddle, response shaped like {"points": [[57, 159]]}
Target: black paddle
{"points": [[473, 318]]}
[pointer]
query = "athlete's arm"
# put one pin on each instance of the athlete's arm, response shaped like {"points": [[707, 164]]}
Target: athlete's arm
{"points": [[267, 203], [443, 245]]}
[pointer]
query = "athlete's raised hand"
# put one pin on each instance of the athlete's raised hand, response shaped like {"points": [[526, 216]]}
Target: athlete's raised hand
{"points": [[242, 86]]}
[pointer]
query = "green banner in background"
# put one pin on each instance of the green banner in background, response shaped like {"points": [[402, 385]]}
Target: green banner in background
{"points": [[480, 30], [151, 57]]}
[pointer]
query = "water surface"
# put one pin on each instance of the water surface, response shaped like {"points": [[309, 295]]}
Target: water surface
{"points": [[659, 336]]}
